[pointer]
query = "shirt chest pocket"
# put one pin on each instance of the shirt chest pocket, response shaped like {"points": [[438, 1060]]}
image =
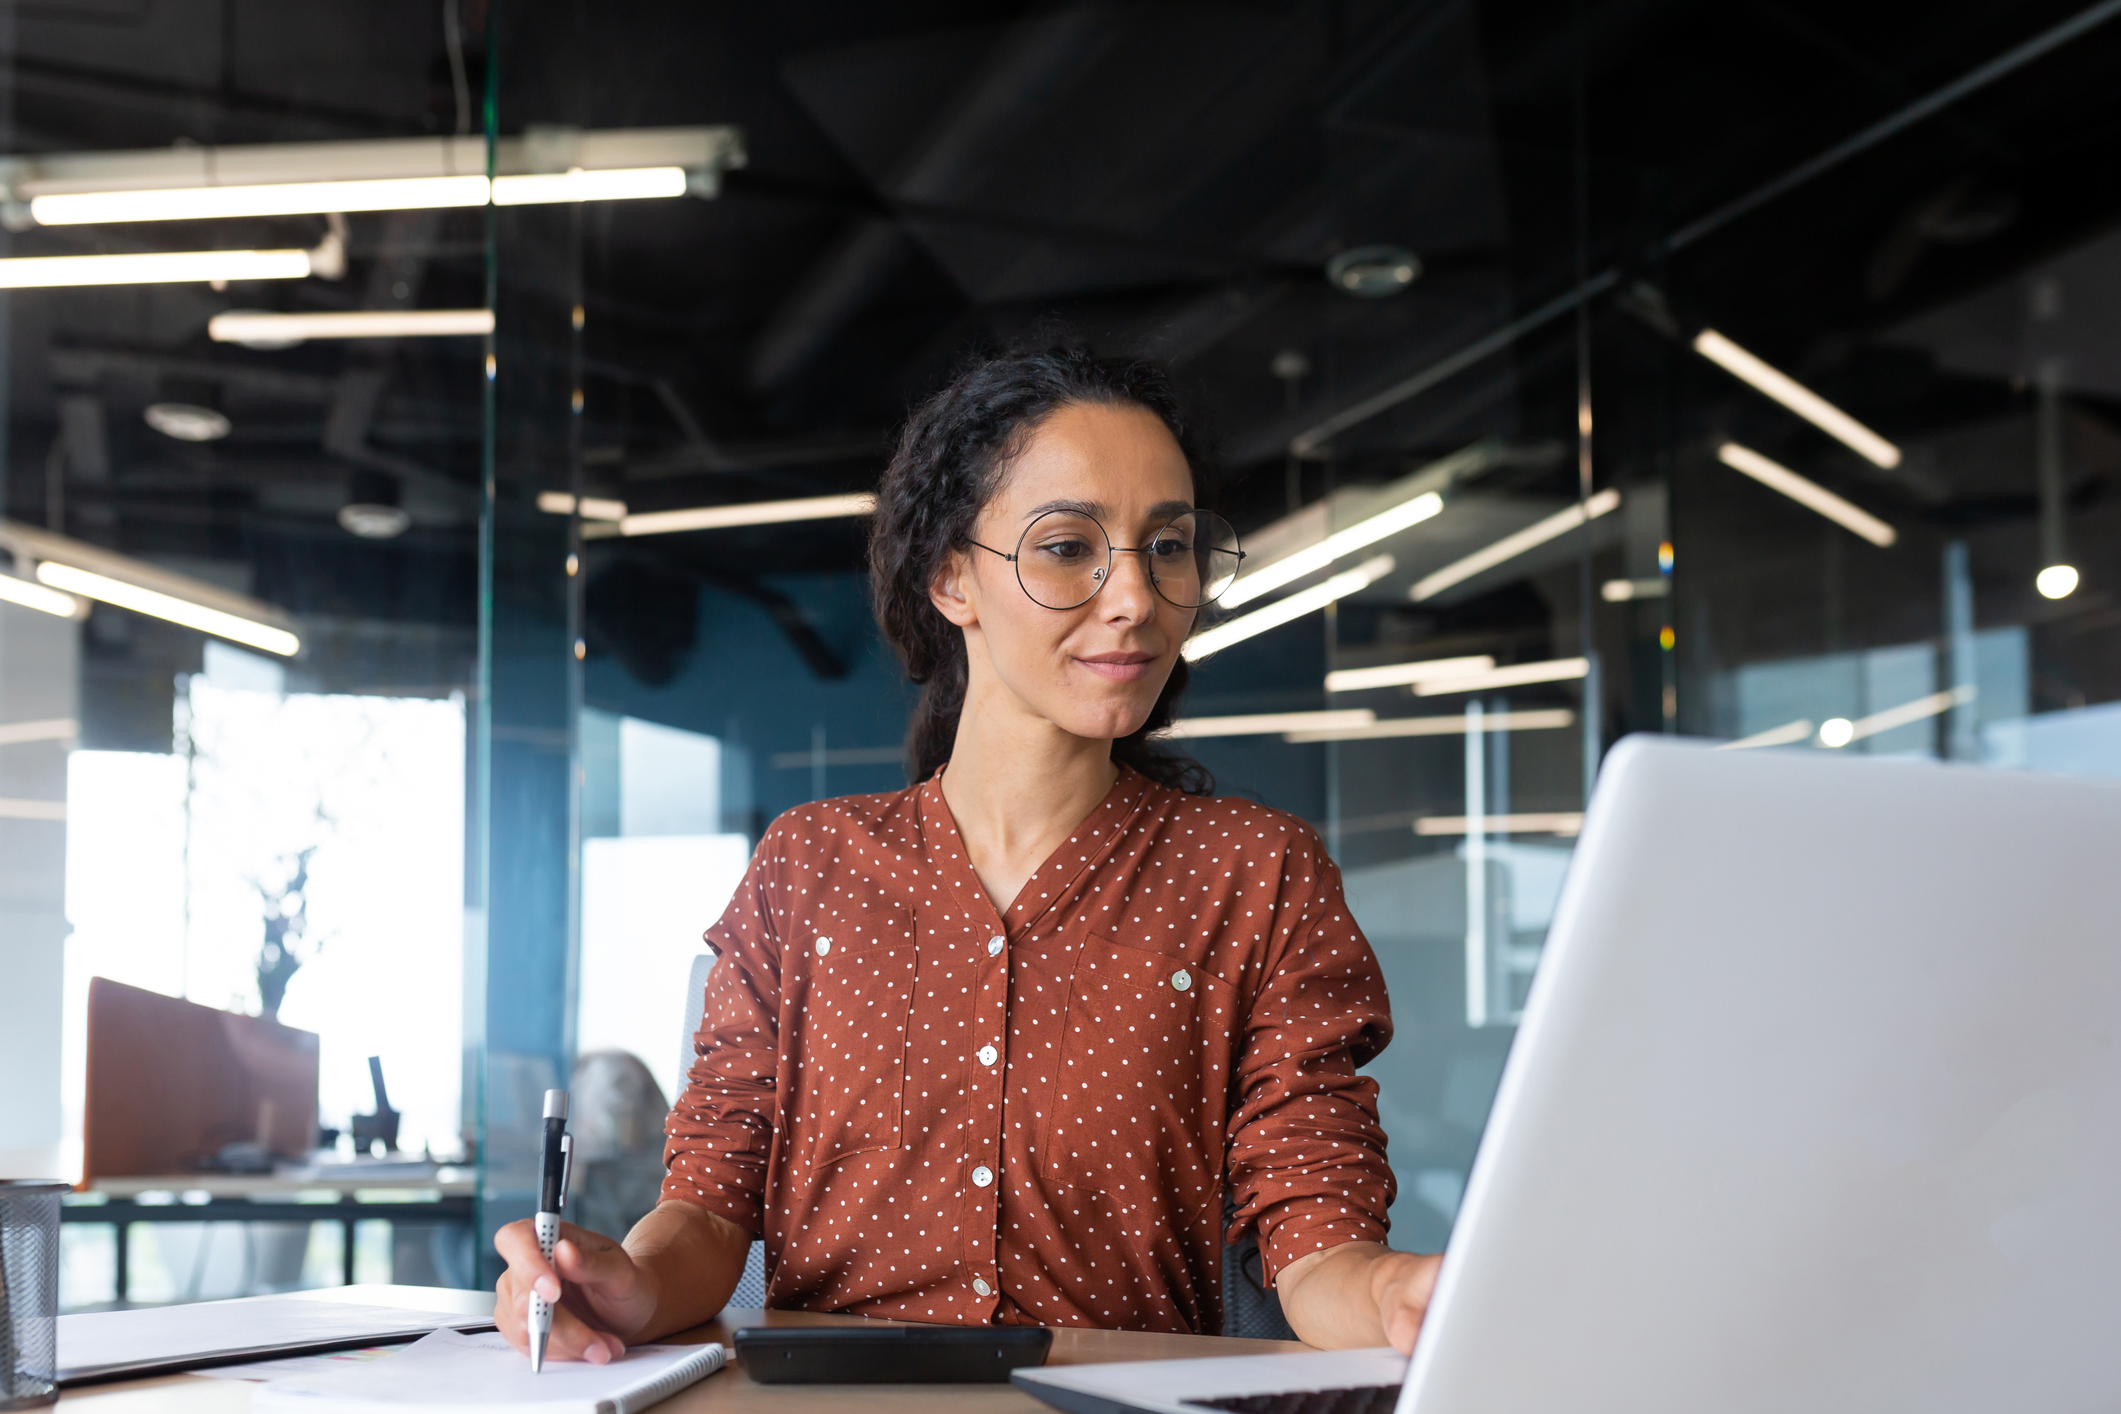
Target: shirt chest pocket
{"points": [[852, 1074], [1138, 1101]]}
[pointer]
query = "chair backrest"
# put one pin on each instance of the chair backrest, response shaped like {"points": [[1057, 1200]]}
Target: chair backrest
{"points": [[750, 1293], [695, 1008]]}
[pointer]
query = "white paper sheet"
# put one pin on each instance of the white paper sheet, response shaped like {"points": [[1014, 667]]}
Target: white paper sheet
{"points": [[95, 1341], [447, 1371]]}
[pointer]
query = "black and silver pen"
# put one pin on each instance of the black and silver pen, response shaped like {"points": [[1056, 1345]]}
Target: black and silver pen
{"points": [[552, 1192]]}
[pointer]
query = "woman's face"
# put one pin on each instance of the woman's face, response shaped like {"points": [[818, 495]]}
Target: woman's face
{"points": [[1095, 670]]}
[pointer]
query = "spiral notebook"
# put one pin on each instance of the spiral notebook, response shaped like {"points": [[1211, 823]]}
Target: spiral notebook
{"points": [[449, 1372]]}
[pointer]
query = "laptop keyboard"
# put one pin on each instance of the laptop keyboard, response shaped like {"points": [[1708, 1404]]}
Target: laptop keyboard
{"points": [[1363, 1399]]}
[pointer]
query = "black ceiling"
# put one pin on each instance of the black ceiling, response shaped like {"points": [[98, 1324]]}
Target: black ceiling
{"points": [[1160, 178]]}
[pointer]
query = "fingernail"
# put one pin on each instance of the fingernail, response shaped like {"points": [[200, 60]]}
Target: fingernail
{"points": [[597, 1354], [547, 1288]]}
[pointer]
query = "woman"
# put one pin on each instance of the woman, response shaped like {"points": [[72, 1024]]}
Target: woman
{"points": [[995, 1048]]}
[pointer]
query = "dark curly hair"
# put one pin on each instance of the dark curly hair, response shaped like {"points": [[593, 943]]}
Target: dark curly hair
{"points": [[949, 459]]}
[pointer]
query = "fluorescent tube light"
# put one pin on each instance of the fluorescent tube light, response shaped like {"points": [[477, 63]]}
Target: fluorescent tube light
{"points": [[560, 503], [11, 809], [575, 184], [252, 327], [36, 596], [1515, 675], [1907, 713], [1807, 493], [1400, 674], [1267, 724], [1443, 724], [266, 199], [375, 194], [1338, 545], [1796, 397], [1511, 546], [859, 503], [1620, 591], [167, 606], [1557, 822], [1785, 735], [50, 729], [32, 272], [1307, 601]]}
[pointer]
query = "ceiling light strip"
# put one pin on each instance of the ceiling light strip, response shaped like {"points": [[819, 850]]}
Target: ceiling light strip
{"points": [[205, 203], [560, 503], [33, 272], [1515, 675], [1788, 734], [1511, 546], [1308, 601], [1401, 674], [1339, 545], [1807, 493], [1267, 724], [40, 598], [1443, 724], [168, 607], [1558, 822], [860, 503], [250, 326], [1908, 713], [13, 809], [1774, 383]]}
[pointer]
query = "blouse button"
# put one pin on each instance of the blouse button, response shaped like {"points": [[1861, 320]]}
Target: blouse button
{"points": [[824, 945], [979, 1284], [994, 946], [982, 1176], [988, 1055], [1181, 980]]}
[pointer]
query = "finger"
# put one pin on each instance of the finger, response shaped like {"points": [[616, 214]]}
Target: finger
{"points": [[605, 1268], [517, 1244], [574, 1338]]}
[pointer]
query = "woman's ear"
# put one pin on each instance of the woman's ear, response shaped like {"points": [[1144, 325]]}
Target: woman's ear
{"points": [[951, 590]]}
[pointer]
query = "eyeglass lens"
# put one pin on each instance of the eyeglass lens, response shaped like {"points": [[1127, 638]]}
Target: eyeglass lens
{"points": [[1065, 557]]}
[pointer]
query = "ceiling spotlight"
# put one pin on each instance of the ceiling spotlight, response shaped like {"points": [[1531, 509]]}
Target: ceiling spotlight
{"points": [[2057, 581], [1836, 732], [1373, 271], [372, 510], [188, 422]]}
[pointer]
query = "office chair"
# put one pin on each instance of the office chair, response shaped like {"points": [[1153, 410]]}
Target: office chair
{"points": [[1249, 1308]]}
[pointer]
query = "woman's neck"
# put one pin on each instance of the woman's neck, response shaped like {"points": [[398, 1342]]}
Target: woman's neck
{"points": [[1017, 785]]}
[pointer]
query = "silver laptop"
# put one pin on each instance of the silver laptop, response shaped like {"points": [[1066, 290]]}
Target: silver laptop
{"points": [[1816, 1106]]}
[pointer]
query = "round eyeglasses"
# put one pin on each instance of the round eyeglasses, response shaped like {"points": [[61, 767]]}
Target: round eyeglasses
{"points": [[1064, 558]]}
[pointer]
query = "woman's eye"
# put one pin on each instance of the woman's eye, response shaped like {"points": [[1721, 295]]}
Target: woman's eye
{"points": [[1065, 550], [1170, 547]]}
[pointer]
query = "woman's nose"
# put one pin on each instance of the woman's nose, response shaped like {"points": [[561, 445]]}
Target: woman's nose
{"points": [[1128, 592]]}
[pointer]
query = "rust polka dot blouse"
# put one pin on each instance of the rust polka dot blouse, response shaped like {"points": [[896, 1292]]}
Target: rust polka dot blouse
{"points": [[930, 1111]]}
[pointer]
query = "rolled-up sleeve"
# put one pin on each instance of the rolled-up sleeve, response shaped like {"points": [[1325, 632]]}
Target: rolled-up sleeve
{"points": [[1307, 1154], [721, 1128]]}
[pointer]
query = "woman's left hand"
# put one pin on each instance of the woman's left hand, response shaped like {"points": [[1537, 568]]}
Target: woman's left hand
{"points": [[1358, 1294]]}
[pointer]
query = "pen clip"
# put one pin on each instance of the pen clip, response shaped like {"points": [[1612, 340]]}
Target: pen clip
{"points": [[566, 1165]]}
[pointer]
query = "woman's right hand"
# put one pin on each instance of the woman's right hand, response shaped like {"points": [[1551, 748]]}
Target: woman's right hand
{"points": [[600, 1295]]}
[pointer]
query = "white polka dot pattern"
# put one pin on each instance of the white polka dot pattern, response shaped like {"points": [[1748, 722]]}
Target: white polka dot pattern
{"points": [[1173, 1009]]}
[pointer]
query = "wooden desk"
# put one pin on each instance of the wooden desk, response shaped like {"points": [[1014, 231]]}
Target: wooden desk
{"points": [[727, 1392]]}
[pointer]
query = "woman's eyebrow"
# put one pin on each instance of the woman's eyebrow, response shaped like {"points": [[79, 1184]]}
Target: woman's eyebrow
{"points": [[1096, 509]]}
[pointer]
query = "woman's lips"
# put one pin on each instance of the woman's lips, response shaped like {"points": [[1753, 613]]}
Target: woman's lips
{"points": [[1120, 667]]}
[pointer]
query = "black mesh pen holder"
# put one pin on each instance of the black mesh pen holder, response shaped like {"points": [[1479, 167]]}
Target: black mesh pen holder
{"points": [[29, 1292]]}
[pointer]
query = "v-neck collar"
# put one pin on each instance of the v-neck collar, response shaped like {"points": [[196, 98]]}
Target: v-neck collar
{"points": [[1049, 882]]}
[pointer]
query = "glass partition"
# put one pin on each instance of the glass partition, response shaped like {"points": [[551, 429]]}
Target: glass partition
{"points": [[238, 651]]}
